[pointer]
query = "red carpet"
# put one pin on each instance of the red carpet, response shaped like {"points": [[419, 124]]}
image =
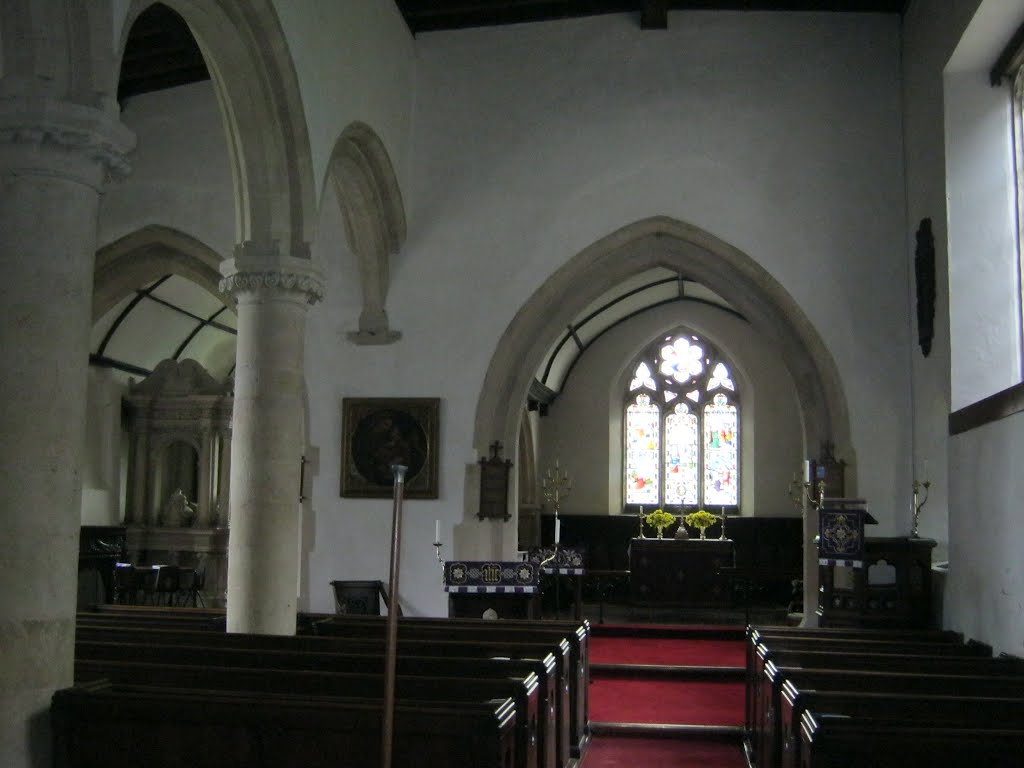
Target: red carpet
{"points": [[637, 751], [689, 702], [647, 697], [659, 650]]}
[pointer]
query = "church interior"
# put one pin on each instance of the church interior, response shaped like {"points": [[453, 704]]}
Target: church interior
{"points": [[299, 296]]}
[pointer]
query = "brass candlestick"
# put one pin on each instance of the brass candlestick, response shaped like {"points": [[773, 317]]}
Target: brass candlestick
{"points": [[919, 505]]}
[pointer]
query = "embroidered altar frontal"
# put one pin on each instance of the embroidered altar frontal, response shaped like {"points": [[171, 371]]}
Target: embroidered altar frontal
{"points": [[490, 576]]}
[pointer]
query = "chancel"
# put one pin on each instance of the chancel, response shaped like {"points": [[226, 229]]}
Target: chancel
{"points": [[753, 259]]}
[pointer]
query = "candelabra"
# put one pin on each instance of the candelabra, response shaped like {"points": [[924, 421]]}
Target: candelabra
{"points": [[919, 503], [801, 492], [556, 485]]}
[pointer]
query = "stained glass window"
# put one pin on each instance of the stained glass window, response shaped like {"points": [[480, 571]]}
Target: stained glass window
{"points": [[643, 448], [682, 445]]}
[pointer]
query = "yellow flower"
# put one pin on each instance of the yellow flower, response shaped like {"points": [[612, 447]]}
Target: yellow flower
{"points": [[659, 518], [700, 519]]}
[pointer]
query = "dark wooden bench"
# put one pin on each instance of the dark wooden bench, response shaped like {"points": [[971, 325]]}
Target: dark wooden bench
{"points": [[940, 658], [794, 682], [577, 635], [755, 636], [452, 649], [98, 725], [544, 669], [955, 707], [322, 684], [829, 741]]}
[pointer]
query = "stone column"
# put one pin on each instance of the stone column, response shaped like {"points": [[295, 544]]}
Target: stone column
{"points": [[54, 158], [273, 293]]}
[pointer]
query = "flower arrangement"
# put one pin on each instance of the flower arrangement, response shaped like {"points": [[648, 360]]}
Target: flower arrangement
{"points": [[659, 519], [701, 520]]}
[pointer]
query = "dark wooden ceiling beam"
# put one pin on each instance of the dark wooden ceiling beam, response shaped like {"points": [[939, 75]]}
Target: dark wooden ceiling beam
{"points": [[435, 15]]}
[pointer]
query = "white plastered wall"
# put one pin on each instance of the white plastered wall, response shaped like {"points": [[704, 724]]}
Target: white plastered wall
{"points": [[779, 133], [952, 136]]}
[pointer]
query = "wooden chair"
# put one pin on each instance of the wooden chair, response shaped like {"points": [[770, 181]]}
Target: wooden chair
{"points": [[124, 583], [166, 587]]}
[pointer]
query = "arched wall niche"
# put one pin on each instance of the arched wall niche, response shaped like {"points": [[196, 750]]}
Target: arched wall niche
{"points": [[663, 241], [257, 88], [373, 213]]}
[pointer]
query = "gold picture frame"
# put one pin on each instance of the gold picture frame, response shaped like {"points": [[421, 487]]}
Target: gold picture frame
{"points": [[380, 431]]}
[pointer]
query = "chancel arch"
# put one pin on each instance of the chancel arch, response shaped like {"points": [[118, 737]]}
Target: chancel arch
{"points": [[664, 242]]}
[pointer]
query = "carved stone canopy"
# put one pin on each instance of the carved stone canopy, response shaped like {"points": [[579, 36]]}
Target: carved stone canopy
{"points": [[179, 378]]}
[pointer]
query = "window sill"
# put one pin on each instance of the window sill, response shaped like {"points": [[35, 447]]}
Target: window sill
{"points": [[991, 409]]}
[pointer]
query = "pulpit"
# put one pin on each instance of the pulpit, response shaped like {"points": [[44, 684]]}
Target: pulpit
{"points": [[889, 587], [680, 572]]}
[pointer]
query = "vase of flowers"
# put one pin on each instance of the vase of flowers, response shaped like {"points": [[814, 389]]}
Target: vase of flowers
{"points": [[659, 519], [701, 520]]}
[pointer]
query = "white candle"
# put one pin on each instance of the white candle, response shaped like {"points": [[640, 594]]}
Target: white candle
{"points": [[558, 530], [437, 531], [807, 471]]}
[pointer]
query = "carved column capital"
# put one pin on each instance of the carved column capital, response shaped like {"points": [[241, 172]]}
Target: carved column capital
{"points": [[257, 272], [46, 137]]}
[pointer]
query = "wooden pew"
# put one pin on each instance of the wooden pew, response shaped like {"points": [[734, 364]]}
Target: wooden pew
{"points": [[794, 681], [897, 657], [543, 669], [829, 741], [153, 615], [318, 683], [956, 706], [756, 635], [576, 634], [108, 630], [98, 725]]}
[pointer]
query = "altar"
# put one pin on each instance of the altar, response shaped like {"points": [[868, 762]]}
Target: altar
{"points": [[680, 572]]}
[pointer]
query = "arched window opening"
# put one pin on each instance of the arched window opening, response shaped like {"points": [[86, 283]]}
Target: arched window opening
{"points": [[682, 427]]}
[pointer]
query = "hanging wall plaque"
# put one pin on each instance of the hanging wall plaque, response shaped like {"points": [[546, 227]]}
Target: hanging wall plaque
{"points": [[494, 474]]}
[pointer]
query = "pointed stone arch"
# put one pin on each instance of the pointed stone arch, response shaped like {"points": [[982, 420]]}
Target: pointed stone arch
{"points": [[729, 272], [257, 88], [146, 255], [374, 216]]}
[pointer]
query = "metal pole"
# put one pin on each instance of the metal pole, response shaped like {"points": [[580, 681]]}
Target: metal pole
{"points": [[388, 728]]}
